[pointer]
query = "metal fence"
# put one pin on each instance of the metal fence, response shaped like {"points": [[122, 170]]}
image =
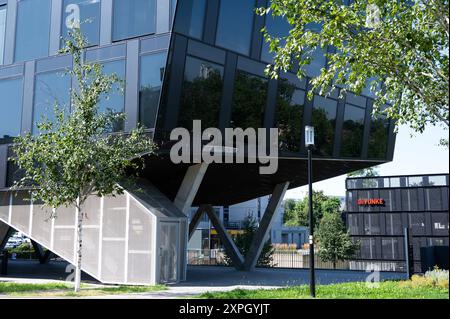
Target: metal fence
{"points": [[296, 259]]}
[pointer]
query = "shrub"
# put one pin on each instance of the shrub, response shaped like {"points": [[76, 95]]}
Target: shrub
{"points": [[434, 278]]}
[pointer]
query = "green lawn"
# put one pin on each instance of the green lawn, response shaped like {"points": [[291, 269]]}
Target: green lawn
{"points": [[66, 290], [360, 290]]}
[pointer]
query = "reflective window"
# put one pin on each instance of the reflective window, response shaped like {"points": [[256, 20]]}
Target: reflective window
{"points": [[324, 121], [437, 180], [133, 18], [191, 17], [378, 138], [318, 61], [249, 101], [10, 109], [151, 77], [289, 115], [33, 29], [276, 27], [234, 30], [352, 131], [202, 93], [85, 13], [2, 31], [114, 101], [50, 89]]}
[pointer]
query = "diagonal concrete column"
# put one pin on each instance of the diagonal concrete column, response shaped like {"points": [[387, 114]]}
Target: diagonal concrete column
{"points": [[265, 225], [189, 187], [230, 247], [196, 220], [5, 233]]}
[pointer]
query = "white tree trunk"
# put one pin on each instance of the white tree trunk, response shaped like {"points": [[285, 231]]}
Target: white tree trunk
{"points": [[79, 247]]}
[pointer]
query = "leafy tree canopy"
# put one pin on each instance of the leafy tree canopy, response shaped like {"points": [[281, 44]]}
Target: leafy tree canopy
{"points": [[333, 239], [399, 46], [297, 215]]}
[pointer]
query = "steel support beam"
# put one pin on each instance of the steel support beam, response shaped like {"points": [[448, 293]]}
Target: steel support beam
{"points": [[230, 247], [189, 187], [265, 226], [196, 220]]}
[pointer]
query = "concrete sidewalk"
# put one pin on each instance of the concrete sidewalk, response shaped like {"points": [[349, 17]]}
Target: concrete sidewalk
{"points": [[203, 279]]}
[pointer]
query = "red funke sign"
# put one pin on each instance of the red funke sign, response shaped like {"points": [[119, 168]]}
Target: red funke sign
{"points": [[371, 202]]}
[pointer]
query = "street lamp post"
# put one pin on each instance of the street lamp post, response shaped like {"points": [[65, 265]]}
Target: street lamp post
{"points": [[309, 143]]}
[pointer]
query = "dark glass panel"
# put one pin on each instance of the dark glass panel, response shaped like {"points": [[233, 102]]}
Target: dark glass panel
{"points": [[10, 109], [367, 248], [276, 27], [133, 18], [394, 224], [378, 138], [392, 248], [86, 13], [318, 62], [434, 198], [50, 89], [289, 115], [249, 101], [2, 31], [33, 29], [372, 224], [355, 224], [114, 101], [352, 131], [324, 121], [202, 93], [417, 223], [191, 18], [235, 25], [151, 77], [413, 199]]}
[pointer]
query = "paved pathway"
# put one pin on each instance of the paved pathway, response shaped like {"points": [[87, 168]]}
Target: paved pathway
{"points": [[205, 278]]}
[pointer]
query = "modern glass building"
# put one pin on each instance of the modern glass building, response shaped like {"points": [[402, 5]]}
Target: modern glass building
{"points": [[378, 209], [184, 60]]}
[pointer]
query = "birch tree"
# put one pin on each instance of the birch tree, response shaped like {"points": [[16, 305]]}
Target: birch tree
{"points": [[76, 156]]}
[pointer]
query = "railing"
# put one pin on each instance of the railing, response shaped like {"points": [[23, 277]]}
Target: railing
{"points": [[297, 259]]}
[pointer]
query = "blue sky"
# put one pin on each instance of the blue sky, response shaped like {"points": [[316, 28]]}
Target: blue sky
{"points": [[416, 154]]}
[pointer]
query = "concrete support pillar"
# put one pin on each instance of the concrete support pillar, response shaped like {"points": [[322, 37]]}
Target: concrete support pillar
{"points": [[196, 220], [230, 247], [189, 187], [265, 226]]}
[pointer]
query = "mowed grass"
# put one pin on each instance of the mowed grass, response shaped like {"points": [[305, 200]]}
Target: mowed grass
{"points": [[66, 290], [358, 290]]}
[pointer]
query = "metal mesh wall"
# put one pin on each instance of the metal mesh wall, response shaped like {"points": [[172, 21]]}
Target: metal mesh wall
{"points": [[119, 244], [65, 216], [90, 250], [140, 244], [21, 211], [63, 243], [113, 261], [114, 216], [92, 210], [41, 224]]}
